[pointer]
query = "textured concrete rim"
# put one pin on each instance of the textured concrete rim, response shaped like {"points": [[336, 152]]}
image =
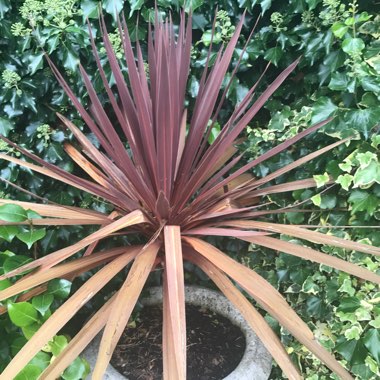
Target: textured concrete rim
{"points": [[256, 362]]}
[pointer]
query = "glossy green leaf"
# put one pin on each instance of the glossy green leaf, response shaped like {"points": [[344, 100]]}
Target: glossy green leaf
{"points": [[42, 302], [76, 371], [17, 344], [14, 262], [22, 313], [8, 232], [12, 213], [31, 236], [41, 360], [30, 330], [58, 344], [29, 372], [59, 288], [5, 284]]}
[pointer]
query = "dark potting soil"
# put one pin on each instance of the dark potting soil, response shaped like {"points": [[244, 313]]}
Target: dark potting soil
{"points": [[214, 346]]}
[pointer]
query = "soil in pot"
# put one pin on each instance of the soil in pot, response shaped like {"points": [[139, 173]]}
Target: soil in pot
{"points": [[214, 346]]}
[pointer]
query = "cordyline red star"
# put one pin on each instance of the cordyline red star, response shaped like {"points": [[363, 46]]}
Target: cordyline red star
{"points": [[172, 187]]}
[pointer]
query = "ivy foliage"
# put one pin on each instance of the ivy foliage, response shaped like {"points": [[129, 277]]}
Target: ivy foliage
{"points": [[338, 76]]}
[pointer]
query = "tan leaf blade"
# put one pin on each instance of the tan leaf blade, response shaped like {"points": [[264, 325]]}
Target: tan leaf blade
{"points": [[135, 217], [270, 299], [86, 334], [175, 305], [313, 255], [123, 306], [60, 271], [66, 312], [168, 347], [87, 166], [55, 222], [250, 314], [87, 186], [56, 211], [302, 233]]}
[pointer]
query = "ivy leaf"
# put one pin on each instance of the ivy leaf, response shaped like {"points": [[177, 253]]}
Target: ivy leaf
{"points": [[345, 181], [315, 307], [60, 288], [353, 46], [312, 3], [71, 60], [341, 82], [22, 313], [371, 340], [348, 304], [322, 109], [368, 175], [90, 9], [339, 29], [363, 201], [353, 351], [363, 120], [4, 7], [353, 332], [113, 7], [321, 179], [190, 4], [35, 63], [265, 5], [370, 84], [52, 42], [274, 55], [12, 213], [135, 6], [31, 236], [8, 232], [5, 126]]}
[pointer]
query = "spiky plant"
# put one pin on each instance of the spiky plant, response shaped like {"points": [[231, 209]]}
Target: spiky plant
{"points": [[173, 188]]}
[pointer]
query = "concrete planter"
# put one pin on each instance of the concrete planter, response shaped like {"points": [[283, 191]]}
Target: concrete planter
{"points": [[256, 362]]}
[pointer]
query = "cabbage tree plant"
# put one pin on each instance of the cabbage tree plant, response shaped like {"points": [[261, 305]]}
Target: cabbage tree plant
{"points": [[173, 188]]}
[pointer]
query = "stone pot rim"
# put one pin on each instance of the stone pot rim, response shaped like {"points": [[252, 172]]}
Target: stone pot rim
{"points": [[256, 362]]}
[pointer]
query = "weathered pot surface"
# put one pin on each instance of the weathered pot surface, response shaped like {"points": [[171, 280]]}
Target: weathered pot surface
{"points": [[256, 362]]}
